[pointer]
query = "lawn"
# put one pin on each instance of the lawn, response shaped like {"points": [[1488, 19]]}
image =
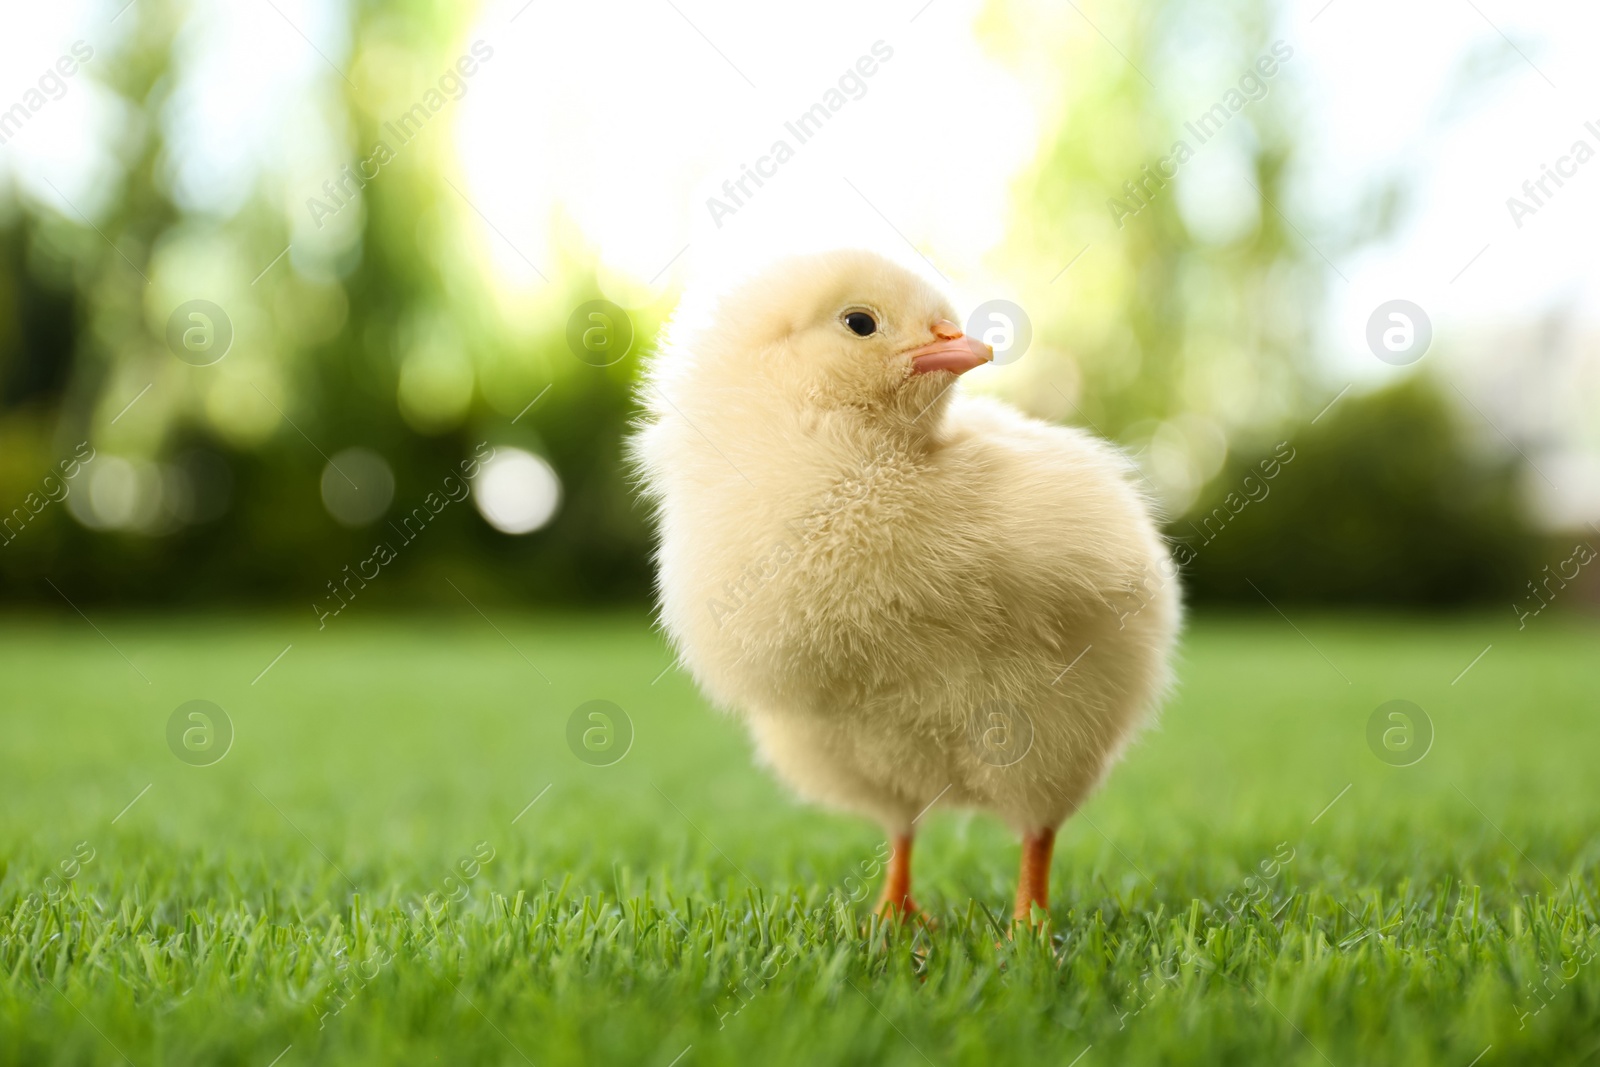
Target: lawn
{"points": [[400, 860]]}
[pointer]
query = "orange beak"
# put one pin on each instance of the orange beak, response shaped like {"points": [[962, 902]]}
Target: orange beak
{"points": [[953, 351]]}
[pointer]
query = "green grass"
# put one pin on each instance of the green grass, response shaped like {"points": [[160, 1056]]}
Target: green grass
{"points": [[280, 897]]}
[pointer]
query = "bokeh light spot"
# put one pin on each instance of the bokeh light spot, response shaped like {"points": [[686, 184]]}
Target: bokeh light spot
{"points": [[517, 492], [357, 487]]}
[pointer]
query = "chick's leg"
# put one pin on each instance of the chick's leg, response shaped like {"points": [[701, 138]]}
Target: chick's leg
{"points": [[1033, 881], [897, 880]]}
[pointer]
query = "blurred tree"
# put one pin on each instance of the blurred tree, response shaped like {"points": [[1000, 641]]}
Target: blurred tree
{"points": [[1384, 501], [1174, 303], [1173, 306], [375, 330], [1179, 318]]}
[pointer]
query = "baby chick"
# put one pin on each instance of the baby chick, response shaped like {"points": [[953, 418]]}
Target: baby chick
{"points": [[910, 596]]}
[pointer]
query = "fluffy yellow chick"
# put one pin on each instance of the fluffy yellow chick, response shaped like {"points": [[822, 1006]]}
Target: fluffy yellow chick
{"points": [[909, 595]]}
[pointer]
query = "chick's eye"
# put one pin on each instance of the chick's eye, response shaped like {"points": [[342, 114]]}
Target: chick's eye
{"points": [[861, 324]]}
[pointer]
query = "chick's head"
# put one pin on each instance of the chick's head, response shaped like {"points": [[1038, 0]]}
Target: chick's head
{"points": [[848, 330]]}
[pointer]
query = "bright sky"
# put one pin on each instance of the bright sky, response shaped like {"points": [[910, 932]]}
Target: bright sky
{"points": [[696, 90], [1433, 94], [619, 118], [693, 94], [693, 91]]}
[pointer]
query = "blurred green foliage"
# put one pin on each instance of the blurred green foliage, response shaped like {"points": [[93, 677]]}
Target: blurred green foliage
{"points": [[316, 367], [1383, 500], [1201, 307], [1159, 330]]}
